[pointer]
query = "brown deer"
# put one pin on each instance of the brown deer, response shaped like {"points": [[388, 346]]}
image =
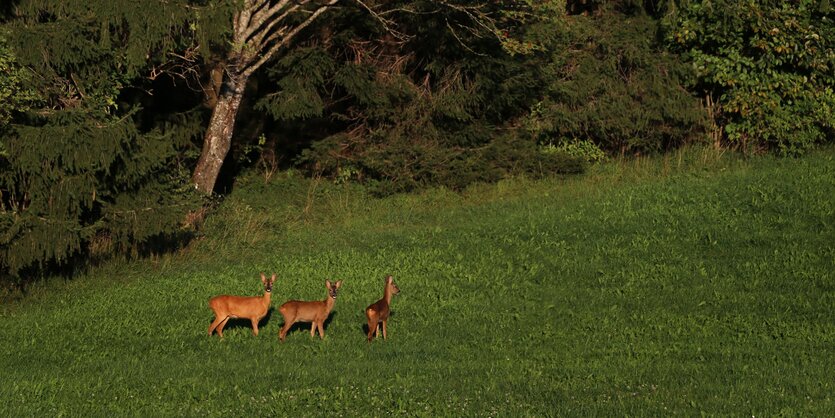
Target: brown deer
{"points": [[250, 307], [315, 312], [379, 311]]}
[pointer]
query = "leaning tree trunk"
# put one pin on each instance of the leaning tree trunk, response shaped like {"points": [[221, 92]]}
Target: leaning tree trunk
{"points": [[259, 29], [218, 138]]}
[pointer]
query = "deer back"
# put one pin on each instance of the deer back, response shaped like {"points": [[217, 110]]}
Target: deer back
{"points": [[240, 306]]}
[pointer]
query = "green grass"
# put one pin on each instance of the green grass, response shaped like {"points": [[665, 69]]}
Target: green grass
{"points": [[681, 284]]}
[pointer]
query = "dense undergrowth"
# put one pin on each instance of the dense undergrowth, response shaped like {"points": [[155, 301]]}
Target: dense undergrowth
{"points": [[690, 283], [105, 105]]}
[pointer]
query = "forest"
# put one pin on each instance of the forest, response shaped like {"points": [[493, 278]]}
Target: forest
{"points": [[123, 124]]}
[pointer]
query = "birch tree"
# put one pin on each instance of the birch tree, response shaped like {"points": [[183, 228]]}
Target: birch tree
{"points": [[260, 29]]}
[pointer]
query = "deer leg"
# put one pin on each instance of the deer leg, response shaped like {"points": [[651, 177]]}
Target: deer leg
{"points": [[254, 327], [371, 328], [284, 329], [214, 325], [313, 328], [384, 328], [321, 327], [220, 326]]}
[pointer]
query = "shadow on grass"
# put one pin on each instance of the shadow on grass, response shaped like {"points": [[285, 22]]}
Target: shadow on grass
{"points": [[233, 323]]}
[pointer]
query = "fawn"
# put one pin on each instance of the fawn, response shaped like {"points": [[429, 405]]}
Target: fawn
{"points": [[250, 307], [314, 312], [379, 310]]}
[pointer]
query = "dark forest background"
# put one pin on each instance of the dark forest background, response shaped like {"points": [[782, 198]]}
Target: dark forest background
{"points": [[106, 105]]}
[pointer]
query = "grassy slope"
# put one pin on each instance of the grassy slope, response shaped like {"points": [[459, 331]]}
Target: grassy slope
{"points": [[643, 288]]}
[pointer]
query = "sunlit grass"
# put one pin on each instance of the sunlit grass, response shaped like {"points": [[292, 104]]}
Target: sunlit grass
{"points": [[694, 282]]}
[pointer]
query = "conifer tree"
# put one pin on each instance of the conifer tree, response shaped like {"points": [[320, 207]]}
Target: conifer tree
{"points": [[80, 176]]}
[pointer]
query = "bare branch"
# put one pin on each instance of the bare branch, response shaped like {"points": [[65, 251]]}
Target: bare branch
{"points": [[183, 66], [476, 14], [406, 10], [387, 23], [250, 67], [263, 37], [272, 37], [460, 41], [264, 14], [482, 23], [241, 21]]}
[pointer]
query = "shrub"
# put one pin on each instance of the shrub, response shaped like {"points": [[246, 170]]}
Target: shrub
{"points": [[76, 188], [402, 165], [614, 86], [769, 65]]}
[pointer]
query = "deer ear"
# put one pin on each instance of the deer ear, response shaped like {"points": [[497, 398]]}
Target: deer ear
{"points": [[273, 279], [263, 278], [389, 279], [328, 283], [339, 284]]}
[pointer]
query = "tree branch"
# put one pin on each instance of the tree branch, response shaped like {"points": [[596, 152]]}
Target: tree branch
{"points": [[387, 23], [261, 38], [251, 66], [264, 14]]}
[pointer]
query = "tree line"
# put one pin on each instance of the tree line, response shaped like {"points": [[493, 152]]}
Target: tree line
{"points": [[120, 119]]}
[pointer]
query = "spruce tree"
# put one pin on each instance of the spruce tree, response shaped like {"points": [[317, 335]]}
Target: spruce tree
{"points": [[81, 177]]}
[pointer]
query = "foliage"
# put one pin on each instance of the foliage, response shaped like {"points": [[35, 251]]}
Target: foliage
{"points": [[770, 65], [101, 101], [81, 177], [79, 186], [432, 109], [606, 80], [640, 287], [587, 150], [429, 108], [14, 95]]}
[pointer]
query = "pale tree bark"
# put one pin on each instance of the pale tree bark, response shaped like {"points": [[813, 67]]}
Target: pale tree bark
{"points": [[260, 29], [218, 138]]}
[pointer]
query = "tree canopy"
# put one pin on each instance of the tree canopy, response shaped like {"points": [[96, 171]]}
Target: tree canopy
{"points": [[769, 65], [112, 111]]}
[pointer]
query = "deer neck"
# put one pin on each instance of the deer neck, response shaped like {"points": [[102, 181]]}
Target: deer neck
{"points": [[266, 299], [329, 302], [387, 295]]}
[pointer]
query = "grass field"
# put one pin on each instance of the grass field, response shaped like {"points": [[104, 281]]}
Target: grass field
{"points": [[678, 285]]}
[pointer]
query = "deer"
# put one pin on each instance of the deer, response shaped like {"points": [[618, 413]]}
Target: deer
{"points": [[378, 312], [315, 312], [253, 308]]}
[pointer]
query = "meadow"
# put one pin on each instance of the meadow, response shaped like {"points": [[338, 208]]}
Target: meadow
{"points": [[697, 282]]}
